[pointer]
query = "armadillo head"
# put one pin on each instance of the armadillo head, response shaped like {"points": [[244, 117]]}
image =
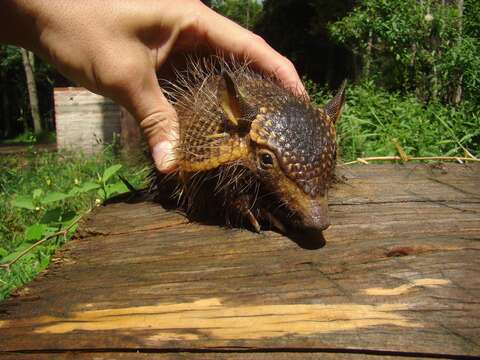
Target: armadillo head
{"points": [[292, 151]]}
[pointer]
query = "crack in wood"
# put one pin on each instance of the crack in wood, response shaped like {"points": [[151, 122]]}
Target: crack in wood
{"points": [[248, 350], [406, 201]]}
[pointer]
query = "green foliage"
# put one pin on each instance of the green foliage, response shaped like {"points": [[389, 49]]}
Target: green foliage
{"points": [[373, 117], [29, 138], [472, 19], [45, 193], [415, 46], [14, 101], [10, 57], [462, 61], [298, 30], [243, 12]]}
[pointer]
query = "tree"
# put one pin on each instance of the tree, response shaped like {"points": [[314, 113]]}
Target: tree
{"points": [[298, 29], [243, 12], [412, 45], [12, 84], [15, 110], [29, 66]]}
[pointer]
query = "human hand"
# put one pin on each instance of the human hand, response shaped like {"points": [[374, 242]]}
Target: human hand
{"points": [[114, 48]]}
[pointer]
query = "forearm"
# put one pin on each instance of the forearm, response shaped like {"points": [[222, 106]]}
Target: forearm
{"points": [[114, 48]]}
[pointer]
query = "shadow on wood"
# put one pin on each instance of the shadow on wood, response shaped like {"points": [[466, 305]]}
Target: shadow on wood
{"points": [[399, 276], [208, 214]]}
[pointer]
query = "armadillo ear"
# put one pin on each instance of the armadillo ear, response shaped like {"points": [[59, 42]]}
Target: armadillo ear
{"points": [[334, 107], [238, 112], [229, 98]]}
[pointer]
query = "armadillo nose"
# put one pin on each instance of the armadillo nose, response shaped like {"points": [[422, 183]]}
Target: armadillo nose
{"points": [[317, 224], [323, 225], [316, 218]]}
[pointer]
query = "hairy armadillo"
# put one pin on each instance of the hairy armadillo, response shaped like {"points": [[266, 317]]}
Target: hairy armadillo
{"points": [[250, 151]]}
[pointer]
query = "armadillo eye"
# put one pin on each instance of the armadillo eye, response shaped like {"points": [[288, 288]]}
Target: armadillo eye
{"points": [[266, 161]]}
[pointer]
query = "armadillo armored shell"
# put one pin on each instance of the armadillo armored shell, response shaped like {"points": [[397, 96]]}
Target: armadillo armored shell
{"points": [[250, 152]]}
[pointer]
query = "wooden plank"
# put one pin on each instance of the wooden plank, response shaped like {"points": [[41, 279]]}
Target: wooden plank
{"points": [[399, 276]]}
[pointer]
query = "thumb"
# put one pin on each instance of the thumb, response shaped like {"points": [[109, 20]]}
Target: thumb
{"points": [[158, 120]]}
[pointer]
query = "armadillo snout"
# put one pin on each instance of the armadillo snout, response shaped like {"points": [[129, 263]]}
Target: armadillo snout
{"points": [[317, 225], [316, 219]]}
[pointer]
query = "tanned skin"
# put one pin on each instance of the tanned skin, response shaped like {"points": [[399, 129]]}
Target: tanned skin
{"points": [[114, 48]]}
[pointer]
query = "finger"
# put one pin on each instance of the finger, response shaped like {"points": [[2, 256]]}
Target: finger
{"points": [[226, 35], [159, 124], [157, 118]]}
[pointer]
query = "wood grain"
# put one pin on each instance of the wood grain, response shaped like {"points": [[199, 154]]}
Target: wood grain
{"points": [[399, 276]]}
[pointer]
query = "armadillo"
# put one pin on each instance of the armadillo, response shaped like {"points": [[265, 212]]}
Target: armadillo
{"points": [[251, 152]]}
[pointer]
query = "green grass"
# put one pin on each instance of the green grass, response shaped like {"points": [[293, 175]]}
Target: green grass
{"points": [[372, 118], [29, 138], [32, 204]]}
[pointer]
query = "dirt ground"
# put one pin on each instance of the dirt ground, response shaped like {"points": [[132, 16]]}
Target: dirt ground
{"points": [[19, 149]]}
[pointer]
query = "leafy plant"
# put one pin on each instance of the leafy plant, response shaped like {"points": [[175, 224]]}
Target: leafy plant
{"points": [[416, 46], [42, 197], [244, 12], [57, 219], [373, 119]]}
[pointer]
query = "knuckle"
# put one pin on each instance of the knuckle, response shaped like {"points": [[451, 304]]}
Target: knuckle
{"points": [[192, 16], [288, 63], [119, 73], [160, 123], [259, 39], [284, 68]]}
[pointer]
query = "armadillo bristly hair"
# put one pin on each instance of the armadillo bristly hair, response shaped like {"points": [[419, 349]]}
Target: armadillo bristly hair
{"points": [[248, 148]]}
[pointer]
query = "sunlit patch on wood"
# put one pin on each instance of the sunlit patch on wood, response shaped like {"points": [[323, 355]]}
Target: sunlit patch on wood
{"points": [[212, 318], [399, 290], [172, 336]]}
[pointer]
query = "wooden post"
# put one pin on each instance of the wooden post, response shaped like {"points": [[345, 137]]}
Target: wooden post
{"points": [[85, 121]]}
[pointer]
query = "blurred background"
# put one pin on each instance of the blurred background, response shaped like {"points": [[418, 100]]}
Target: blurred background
{"points": [[421, 50]]}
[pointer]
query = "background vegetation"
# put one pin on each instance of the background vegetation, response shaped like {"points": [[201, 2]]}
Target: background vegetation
{"points": [[414, 78], [45, 193], [413, 68]]}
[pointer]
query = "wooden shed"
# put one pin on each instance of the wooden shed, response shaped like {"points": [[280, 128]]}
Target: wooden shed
{"points": [[87, 122]]}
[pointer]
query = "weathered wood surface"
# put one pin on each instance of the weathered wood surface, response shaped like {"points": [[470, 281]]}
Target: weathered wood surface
{"points": [[399, 276], [83, 120]]}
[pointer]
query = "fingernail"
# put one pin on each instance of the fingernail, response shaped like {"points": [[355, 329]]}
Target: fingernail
{"points": [[164, 156]]}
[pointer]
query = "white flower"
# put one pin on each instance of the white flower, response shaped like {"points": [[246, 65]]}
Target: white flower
{"points": [[428, 17]]}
